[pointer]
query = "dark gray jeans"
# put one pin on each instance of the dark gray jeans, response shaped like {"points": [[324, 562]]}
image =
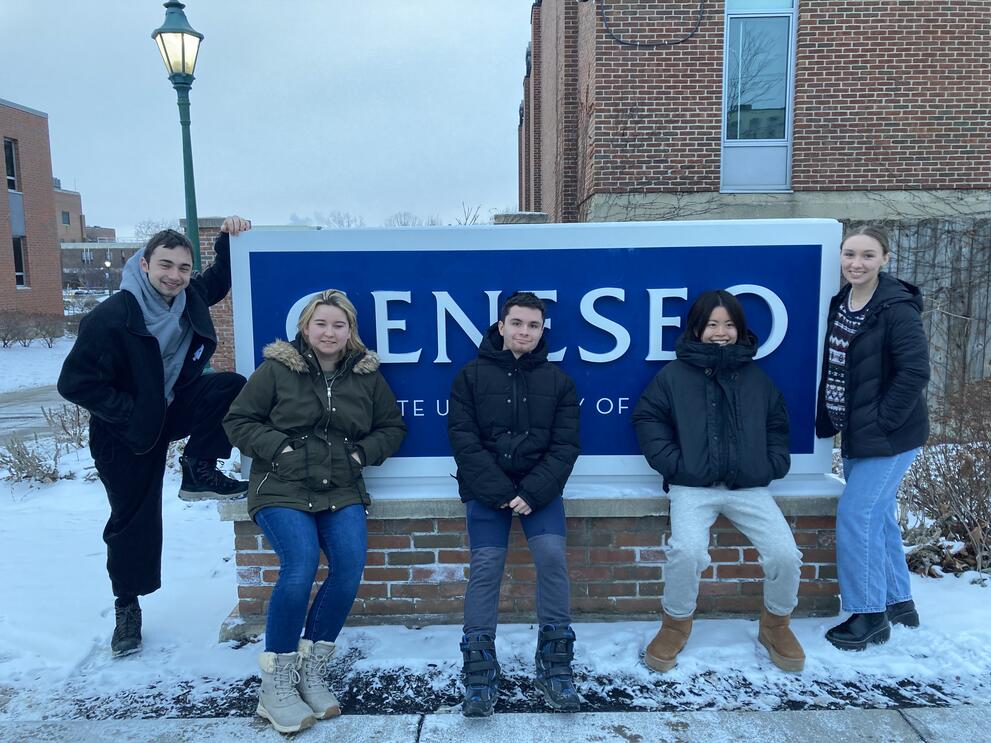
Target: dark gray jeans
{"points": [[488, 534]]}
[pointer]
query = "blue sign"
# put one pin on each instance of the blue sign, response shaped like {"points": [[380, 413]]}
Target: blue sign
{"points": [[617, 296]]}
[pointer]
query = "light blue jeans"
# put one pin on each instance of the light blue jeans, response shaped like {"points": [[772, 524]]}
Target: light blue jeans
{"points": [[870, 558]]}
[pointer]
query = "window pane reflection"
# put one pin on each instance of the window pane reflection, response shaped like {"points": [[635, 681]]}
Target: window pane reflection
{"points": [[757, 78]]}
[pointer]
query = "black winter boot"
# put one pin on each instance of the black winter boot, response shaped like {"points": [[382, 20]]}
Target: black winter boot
{"points": [[127, 633], [903, 613], [860, 630], [481, 675], [555, 651], [201, 480]]}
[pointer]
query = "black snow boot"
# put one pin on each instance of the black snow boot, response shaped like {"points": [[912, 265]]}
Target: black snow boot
{"points": [[555, 651], [127, 633], [860, 630], [903, 613], [481, 675], [201, 480]]}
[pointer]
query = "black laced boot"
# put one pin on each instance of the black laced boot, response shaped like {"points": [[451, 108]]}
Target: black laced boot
{"points": [[555, 651], [903, 613], [201, 480], [860, 630], [481, 675], [127, 633]]}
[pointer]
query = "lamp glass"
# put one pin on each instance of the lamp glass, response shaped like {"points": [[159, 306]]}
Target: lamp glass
{"points": [[178, 51]]}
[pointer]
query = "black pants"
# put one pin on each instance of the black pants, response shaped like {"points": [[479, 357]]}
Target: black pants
{"points": [[134, 481]]}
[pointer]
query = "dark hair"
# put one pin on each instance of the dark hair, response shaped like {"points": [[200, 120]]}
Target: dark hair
{"points": [[167, 239], [522, 299], [702, 309], [873, 231]]}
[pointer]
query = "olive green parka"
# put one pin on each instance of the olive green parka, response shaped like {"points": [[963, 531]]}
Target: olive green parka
{"points": [[289, 402]]}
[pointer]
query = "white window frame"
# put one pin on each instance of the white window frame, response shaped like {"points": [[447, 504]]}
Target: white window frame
{"points": [[729, 145]]}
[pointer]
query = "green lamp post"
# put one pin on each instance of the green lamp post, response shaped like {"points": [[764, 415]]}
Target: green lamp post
{"points": [[179, 45]]}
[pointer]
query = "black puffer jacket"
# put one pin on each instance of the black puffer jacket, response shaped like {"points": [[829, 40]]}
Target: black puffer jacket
{"points": [[513, 425], [887, 373], [713, 415]]}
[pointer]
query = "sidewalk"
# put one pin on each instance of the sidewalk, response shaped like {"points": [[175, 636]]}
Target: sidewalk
{"points": [[887, 726]]}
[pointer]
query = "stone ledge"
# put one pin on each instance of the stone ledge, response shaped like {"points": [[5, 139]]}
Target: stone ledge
{"points": [[796, 495]]}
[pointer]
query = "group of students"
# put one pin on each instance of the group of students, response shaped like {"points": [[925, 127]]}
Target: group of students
{"points": [[712, 423]]}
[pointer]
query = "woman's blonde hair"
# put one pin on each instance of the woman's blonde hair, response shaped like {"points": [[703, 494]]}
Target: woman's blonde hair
{"points": [[334, 298]]}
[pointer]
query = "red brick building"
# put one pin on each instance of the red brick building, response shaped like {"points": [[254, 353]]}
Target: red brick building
{"points": [[756, 108], [69, 218], [30, 268]]}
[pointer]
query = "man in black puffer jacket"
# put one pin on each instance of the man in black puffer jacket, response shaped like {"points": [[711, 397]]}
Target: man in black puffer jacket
{"points": [[513, 424]]}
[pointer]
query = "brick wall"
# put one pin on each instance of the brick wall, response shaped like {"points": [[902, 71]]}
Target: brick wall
{"points": [[889, 96], [893, 95], [44, 291], [417, 570], [534, 143], [72, 202]]}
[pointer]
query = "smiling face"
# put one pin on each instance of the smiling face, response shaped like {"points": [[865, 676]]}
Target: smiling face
{"points": [[327, 332], [521, 330], [720, 328], [861, 260], [169, 270]]}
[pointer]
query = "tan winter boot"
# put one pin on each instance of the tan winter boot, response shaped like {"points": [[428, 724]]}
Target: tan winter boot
{"points": [[782, 645], [313, 678], [662, 652], [278, 698]]}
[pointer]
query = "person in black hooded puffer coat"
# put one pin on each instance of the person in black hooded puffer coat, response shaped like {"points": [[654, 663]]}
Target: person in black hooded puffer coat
{"points": [[715, 427], [513, 424], [874, 375]]}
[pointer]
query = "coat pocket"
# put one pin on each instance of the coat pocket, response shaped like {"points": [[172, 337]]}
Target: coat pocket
{"points": [[291, 465]]}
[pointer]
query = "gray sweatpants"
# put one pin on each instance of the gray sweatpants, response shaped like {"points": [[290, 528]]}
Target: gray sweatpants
{"points": [[752, 511]]}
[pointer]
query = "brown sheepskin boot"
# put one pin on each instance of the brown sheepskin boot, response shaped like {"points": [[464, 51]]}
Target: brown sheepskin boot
{"points": [[662, 652], [782, 645]]}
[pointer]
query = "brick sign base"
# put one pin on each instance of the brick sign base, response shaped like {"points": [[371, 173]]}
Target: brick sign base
{"points": [[417, 566]]}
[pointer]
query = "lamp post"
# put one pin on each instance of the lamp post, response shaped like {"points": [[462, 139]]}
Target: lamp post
{"points": [[179, 45], [106, 265]]}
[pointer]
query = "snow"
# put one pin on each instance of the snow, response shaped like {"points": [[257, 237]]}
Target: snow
{"points": [[34, 366], [56, 618]]}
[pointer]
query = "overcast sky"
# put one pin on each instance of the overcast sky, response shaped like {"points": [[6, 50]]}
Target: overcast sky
{"points": [[299, 106]]}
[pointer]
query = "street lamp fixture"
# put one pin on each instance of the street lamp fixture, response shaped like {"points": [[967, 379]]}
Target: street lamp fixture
{"points": [[179, 44], [106, 265]]}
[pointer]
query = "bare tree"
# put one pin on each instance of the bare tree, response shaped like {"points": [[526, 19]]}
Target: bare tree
{"points": [[469, 215], [148, 227], [408, 219]]}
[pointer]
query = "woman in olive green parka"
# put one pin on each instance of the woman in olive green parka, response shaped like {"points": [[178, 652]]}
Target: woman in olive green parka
{"points": [[314, 413]]}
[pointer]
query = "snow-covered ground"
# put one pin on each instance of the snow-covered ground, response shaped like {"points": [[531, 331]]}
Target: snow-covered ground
{"points": [[34, 366], [56, 617]]}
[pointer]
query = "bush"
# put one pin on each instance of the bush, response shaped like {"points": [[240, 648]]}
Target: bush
{"points": [[15, 327], [36, 462], [949, 487], [49, 328], [69, 424]]}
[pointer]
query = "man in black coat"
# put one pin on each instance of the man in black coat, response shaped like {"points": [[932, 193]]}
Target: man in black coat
{"points": [[513, 424], [137, 367]]}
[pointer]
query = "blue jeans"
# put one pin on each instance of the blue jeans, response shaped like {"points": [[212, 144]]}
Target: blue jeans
{"points": [[488, 536], [297, 538], [870, 558]]}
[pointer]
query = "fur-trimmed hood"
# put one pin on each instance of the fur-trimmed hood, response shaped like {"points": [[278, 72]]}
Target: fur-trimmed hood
{"points": [[290, 355]]}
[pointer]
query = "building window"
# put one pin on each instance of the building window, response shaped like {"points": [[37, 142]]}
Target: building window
{"points": [[758, 82], [10, 162], [20, 262], [66, 220]]}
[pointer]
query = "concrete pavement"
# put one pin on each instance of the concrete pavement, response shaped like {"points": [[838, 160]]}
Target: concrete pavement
{"points": [[963, 723], [20, 411]]}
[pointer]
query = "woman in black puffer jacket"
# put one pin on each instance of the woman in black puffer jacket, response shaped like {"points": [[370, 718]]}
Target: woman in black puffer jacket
{"points": [[874, 373], [715, 427]]}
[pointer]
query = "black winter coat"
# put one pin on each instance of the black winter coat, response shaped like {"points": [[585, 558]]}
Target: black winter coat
{"points": [[115, 370], [709, 392], [887, 372], [513, 425]]}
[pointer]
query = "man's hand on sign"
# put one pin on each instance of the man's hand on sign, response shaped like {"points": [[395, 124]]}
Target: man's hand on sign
{"points": [[235, 225]]}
